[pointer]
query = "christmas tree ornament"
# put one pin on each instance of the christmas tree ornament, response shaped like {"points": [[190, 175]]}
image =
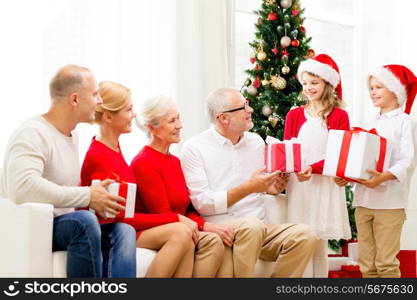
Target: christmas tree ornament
{"points": [[297, 6], [258, 67], [275, 51], [284, 58], [286, 19], [272, 16], [310, 54], [295, 12], [294, 34], [265, 82], [285, 3], [278, 82], [270, 2], [259, 21], [252, 90], [248, 82], [257, 82], [287, 27], [302, 28], [273, 119], [261, 55], [266, 110], [285, 41], [280, 29], [285, 70], [252, 60], [295, 43]]}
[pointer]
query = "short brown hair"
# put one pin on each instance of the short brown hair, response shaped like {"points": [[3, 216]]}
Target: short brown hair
{"points": [[67, 80]]}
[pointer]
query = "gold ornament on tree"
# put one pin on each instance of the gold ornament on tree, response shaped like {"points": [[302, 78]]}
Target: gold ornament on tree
{"points": [[278, 82], [273, 119], [285, 70], [270, 2], [252, 90], [261, 53], [265, 82]]}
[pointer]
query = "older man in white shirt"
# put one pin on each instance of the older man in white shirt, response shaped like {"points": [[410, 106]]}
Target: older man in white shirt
{"points": [[224, 166]]}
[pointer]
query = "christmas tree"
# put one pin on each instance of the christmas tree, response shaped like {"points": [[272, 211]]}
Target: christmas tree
{"points": [[280, 45]]}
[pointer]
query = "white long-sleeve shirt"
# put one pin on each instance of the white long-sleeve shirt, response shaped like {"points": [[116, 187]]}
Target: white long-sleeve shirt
{"points": [[400, 131], [212, 165], [41, 165]]}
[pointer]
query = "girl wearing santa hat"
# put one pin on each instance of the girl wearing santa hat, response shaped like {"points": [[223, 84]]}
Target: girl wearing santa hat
{"points": [[381, 200], [318, 202]]}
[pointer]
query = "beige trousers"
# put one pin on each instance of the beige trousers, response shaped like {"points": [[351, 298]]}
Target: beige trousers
{"points": [[290, 246], [209, 254], [379, 233]]}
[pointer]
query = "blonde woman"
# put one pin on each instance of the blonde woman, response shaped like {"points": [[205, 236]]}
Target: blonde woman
{"points": [[160, 232], [319, 202], [162, 188]]}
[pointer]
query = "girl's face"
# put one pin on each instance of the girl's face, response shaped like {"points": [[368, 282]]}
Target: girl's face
{"points": [[313, 86], [122, 120], [169, 127], [381, 96]]}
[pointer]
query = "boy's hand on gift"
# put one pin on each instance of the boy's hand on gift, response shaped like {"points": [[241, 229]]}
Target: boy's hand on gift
{"points": [[376, 179], [340, 181], [305, 174], [279, 185], [102, 201], [225, 232]]}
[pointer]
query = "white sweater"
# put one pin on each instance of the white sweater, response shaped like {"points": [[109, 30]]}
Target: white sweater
{"points": [[41, 165]]}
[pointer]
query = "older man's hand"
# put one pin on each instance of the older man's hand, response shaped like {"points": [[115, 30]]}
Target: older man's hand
{"points": [[279, 185]]}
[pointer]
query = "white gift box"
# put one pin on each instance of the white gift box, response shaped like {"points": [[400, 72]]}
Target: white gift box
{"points": [[352, 159], [353, 251], [128, 192], [336, 263]]}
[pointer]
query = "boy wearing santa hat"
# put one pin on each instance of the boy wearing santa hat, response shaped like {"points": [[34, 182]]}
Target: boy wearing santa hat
{"points": [[380, 208]]}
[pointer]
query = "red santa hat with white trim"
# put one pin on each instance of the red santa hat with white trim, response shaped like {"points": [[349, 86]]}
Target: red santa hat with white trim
{"points": [[399, 80], [324, 67]]}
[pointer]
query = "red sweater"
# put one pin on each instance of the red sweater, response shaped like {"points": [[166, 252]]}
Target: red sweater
{"points": [[102, 159], [337, 119], [161, 185]]}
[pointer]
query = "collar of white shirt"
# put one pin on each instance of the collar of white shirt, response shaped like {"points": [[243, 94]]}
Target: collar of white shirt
{"points": [[222, 141], [390, 114]]}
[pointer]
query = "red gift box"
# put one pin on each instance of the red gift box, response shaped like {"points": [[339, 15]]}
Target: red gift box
{"points": [[350, 268], [408, 263], [121, 188], [345, 274], [284, 157]]}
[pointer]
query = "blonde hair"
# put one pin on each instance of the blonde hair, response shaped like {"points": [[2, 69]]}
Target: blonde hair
{"points": [[152, 111], [115, 97], [329, 98]]}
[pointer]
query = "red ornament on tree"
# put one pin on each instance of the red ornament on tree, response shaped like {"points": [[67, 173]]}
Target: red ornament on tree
{"points": [[295, 12], [272, 16], [252, 60], [302, 28], [275, 51], [295, 43], [257, 82]]}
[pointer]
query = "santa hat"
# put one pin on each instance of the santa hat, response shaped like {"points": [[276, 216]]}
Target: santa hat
{"points": [[324, 67], [399, 80]]}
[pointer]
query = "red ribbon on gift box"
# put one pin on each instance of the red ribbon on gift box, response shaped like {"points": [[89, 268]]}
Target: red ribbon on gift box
{"points": [[123, 186], [344, 151]]}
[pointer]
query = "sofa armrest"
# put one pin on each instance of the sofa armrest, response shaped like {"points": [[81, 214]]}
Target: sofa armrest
{"points": [[276, 208], [26, 235]]}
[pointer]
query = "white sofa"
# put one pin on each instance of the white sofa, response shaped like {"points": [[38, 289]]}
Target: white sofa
{"points": [[26, 241]]}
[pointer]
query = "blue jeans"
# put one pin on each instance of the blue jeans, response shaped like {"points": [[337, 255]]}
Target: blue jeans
{"points": [[94, 250]]}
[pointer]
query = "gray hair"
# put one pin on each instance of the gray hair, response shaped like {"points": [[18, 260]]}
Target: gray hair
{"points": [[218, 101], [152, 110]]}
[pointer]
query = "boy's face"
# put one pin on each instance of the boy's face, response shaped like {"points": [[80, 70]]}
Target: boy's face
{"points": [[381, 96]]}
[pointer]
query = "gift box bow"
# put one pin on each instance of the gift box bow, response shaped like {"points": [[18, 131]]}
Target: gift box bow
{"points": [[344, 151], [288, 147]]}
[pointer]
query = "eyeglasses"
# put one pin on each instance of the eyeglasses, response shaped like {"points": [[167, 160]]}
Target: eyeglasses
{"points": [[245, 107]]}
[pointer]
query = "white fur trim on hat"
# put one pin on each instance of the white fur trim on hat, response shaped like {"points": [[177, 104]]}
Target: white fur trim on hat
{"points": [[324, 71], [391, 82]]}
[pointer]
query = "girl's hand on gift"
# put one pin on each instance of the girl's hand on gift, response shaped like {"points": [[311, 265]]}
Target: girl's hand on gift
{"points": [[340, 181], [305, 174], [376, 179]]}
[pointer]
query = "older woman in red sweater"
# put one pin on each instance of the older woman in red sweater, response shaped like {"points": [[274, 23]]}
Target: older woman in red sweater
{"points": [[160, 231], [162, 188]]}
